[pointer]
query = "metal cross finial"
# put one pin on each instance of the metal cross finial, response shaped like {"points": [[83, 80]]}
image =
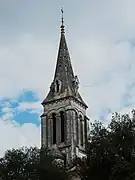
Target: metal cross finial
{"points": [[62, 19]]}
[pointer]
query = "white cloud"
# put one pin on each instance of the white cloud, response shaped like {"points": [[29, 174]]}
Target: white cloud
{"points": [[105, 68], [110, 73], [7, 112], [14, 135], [32, 107], [26, 66]]}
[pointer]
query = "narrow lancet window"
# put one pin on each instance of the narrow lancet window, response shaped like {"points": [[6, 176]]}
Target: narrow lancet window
{"points": [[62, 117], [81, 131], [57, 86], [77, 128], [54, 128]]}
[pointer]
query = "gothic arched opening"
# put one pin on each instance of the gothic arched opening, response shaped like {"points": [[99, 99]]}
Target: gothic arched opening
{"points": [[57, 86], [81, 130], [62, 118], [54, 128], [77, 128]]}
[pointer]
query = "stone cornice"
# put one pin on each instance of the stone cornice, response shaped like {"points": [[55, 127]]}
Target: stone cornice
{"points": [[65, 98]]}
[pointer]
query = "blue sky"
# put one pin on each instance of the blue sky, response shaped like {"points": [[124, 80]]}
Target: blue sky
{"points": [[101, 39], [20, 112]]}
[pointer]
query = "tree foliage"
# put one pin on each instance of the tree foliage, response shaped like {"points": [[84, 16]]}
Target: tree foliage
{"points": [[111, 150], [30, 164], [110, 156]]}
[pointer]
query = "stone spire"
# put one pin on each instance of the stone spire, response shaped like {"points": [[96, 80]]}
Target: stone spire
{"points": [[64, 123], [65, 84]]}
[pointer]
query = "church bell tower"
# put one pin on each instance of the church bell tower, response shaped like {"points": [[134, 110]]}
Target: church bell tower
{"points": [[64, 124]]}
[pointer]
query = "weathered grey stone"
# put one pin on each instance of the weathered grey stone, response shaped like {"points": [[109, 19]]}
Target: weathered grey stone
{"points": [[64, 96]]}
